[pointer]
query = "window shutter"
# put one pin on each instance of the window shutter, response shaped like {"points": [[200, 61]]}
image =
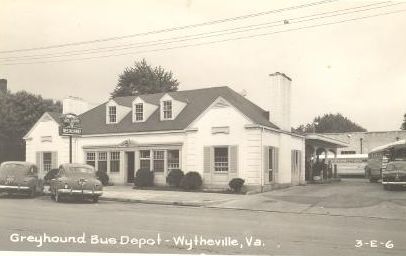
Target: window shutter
{"points": [[266, 159], [38, 159], [300, 161], [233, 159], [276, 162], [207, 160], [54, 160]]}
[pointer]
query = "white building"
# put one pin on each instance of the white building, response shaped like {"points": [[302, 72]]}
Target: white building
{"points": [[214, 131]]}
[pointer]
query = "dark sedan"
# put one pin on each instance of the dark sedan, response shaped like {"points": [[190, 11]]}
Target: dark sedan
{"points": [[19, 177], [76, 180], [394, 175]]}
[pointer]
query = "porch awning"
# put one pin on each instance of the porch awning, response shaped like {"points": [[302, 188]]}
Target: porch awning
{"points": [[320, 141]]}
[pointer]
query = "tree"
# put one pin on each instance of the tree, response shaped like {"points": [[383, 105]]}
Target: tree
{"points": [[403, 127], [330, 123], [18, 113], [144, 79]]}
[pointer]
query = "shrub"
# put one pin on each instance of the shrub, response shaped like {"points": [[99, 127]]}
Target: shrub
{"points": [[50, 175], [236, 184], [144, 178], [103, 177], [174, 177], [191, 181]]}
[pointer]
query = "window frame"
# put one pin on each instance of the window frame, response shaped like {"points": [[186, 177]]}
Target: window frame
{"points": [[154, 159], [112, 117], [92, 159], [145, 158], [46, 165], [175, 162], [221, 166], [115, 160], [138, 112], [167, 110]]}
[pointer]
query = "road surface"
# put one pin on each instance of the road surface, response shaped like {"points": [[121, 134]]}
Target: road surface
{"points": [[235, 231]]}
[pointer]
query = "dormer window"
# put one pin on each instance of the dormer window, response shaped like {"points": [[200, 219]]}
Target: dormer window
{"points": [[112, 114], [167, 109], [139, 112]]}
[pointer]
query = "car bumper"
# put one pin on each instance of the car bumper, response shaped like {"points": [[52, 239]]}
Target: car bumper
{"points": [[79, 192], [394, 183], [14, 188]]}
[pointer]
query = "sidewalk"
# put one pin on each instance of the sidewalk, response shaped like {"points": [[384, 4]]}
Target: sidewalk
{"points": [[128, 194], [345, 199]]}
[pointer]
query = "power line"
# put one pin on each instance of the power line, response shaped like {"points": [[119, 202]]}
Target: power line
{"points": [[156, 42], [198, 36], [217, 41], [172, 28]]}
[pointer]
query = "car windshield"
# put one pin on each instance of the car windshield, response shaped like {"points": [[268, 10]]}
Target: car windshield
{"points": [[13, 169], [399, 155], [81, 170]]}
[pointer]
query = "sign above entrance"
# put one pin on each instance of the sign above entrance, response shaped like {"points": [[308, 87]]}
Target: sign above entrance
{"points": [[70, 125]]}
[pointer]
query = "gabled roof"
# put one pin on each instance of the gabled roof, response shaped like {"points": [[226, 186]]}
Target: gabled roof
{"points": [[94, 120], [56, 116]]}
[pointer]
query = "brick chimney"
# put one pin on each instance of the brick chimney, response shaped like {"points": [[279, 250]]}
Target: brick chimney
{"points": [[3, 85], [279, 104]]}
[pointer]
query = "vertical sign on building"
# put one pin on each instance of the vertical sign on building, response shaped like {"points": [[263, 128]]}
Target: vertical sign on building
{"points": [[70, 126]]}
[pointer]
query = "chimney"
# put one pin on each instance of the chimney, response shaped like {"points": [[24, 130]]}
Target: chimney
{"points": [[279, 105], [3, 86], [75, 105]]}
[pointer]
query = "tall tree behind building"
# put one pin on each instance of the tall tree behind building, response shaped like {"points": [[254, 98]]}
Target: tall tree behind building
{"points": [[18, 113], [330, 123], [144, 79], [403, 126]]}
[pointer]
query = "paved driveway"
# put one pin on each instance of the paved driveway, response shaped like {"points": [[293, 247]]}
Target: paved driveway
{"points": [[350, 197]]}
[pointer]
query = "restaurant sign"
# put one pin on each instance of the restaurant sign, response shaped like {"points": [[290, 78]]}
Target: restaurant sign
{"points": [[70, 125]]}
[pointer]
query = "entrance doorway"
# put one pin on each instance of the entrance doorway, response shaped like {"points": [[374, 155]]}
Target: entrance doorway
{"points": [[130, 167]]}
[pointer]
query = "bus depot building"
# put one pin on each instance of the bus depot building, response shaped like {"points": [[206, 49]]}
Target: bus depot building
{"points": [[214, 131]]}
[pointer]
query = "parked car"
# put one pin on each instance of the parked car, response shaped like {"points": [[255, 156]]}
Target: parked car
{"points": [[76, 180], [20, 177]]}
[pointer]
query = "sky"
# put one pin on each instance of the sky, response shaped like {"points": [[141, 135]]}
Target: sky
{"points": [[352, 62]]}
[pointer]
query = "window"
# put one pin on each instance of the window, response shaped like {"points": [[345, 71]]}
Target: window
{"points": [[114, 161], [47, 161], [221, 159], [91, 158], [167, 109], [139, 112], [173, 160], [112, 114], [145, 159], [159, 162], [102, 161]]}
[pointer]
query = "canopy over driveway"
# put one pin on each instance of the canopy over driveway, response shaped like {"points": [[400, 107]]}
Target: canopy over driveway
{"points": [[316, 145]]}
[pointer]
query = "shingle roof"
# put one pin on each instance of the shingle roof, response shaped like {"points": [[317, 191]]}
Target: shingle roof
{"points": [[56, 116], [94, 120]]}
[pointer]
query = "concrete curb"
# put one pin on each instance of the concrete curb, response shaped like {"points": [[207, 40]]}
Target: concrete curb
{"points": [[141, 201]]}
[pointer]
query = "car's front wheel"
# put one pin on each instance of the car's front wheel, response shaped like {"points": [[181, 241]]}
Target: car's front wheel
{"points": [[95, 199]]}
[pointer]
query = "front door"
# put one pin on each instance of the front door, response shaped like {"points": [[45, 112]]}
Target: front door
{"points": [[130, 167]]}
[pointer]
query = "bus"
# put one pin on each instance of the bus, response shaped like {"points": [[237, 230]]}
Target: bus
{"points": [[351, 165], [377, 160], [392, 159]]}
